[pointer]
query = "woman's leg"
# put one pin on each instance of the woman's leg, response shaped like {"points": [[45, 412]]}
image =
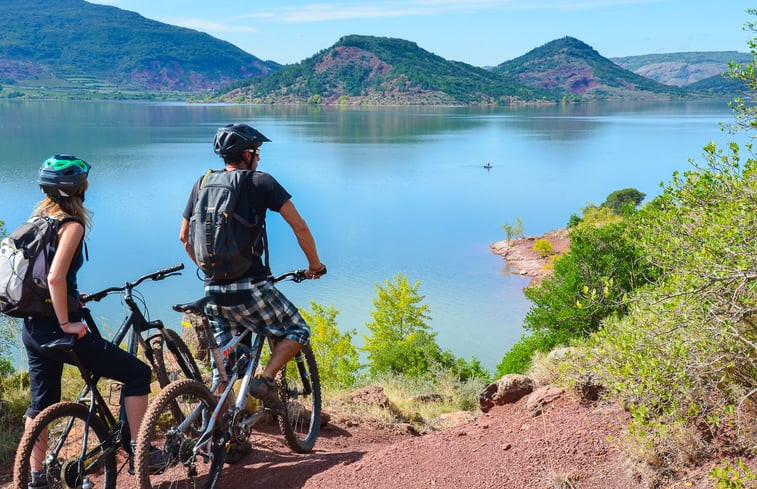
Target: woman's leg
{"points": [[135, 406]]}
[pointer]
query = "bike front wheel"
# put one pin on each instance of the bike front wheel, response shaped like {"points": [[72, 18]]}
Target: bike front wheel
{"points": [[300, 389], [65, 459], [166, 454]]}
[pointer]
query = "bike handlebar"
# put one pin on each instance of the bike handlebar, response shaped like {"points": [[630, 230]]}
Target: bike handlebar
{"points": [[198, 306], [158, 275], [297, 276]]}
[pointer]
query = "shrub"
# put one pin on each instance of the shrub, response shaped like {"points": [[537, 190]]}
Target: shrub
{"points": [[335, 354], [544, 247], [518, 359]]}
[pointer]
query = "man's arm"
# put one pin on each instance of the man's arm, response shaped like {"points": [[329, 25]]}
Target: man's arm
{"points": [[184, 238], [304, 237]]}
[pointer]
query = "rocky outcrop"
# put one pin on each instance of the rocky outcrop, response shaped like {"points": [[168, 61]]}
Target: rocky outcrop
{"points": [[508, 389], [523, 260], [512, 387]]}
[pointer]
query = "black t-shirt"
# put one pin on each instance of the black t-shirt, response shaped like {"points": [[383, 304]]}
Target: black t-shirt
{"points": [[259, 192]]}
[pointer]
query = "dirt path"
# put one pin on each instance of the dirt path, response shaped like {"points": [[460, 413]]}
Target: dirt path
{"points": [[505, 448]]}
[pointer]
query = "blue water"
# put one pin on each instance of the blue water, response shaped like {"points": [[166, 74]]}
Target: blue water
{"points": [[384, 190]]}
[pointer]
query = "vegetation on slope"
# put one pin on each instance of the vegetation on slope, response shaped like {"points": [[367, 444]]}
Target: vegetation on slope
{"points": [[574, 68], [72, 43], [681, 69], [660, 304], [366, 69]]}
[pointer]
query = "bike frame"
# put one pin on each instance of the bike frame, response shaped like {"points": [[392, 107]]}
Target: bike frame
{"points": [[134, 324]]}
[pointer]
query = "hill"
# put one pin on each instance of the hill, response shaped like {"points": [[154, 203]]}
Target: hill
{"points": [[380, 70], [575, 69], [682, 69], [75, 44]]}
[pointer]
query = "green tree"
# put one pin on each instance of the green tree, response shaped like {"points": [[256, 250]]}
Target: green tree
{"points": [[401, 341], [513, 230], [618, 199], [589, 281], [337, 357]]}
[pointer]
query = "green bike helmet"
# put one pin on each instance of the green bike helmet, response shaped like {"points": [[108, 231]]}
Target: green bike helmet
{"points": [[61, 175], [235, 138]]}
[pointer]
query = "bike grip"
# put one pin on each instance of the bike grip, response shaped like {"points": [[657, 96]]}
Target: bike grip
{"points": [[172, 269], [97, 297]]}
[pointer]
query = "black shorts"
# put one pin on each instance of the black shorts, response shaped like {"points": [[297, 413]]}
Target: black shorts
{"points": [[96, 354]]}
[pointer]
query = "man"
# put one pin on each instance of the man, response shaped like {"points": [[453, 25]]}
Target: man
{"points": [[252, 301]]}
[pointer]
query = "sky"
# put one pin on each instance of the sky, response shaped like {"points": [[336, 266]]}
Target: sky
{"points": [[478, 32]]}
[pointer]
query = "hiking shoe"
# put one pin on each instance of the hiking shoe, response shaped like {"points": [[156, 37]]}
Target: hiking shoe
{"points": [[38, 480], [157, 459], [266, 390]]}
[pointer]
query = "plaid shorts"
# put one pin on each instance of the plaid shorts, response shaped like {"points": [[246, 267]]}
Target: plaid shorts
{"points": [[265, 311]]}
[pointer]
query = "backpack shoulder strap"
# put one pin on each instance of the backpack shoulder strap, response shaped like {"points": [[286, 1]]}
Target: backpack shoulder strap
{"points": [[205, 178]]}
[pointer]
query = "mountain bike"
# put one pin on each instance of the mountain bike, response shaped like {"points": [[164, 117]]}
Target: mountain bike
{"points": [[83, 436], [195, 443]]}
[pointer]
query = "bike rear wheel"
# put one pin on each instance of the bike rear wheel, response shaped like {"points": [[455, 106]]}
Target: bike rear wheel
{"points": [[62, 459], [173, 360], [171, 427], [300, 390]]}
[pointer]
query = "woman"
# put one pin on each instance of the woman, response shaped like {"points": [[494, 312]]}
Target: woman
{"points": [[63, 179]]}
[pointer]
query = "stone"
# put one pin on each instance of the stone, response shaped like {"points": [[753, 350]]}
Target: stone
{"points": [[508, 389]]}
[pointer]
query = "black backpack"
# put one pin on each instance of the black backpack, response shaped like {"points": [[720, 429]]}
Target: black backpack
{"points": [[221, 237], [25, 258]]}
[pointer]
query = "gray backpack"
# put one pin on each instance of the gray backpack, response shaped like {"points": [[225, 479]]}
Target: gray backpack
{"points": [[220, 235], [25, 258]]}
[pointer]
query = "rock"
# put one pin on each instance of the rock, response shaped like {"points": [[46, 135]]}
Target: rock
{"points": [[506, 390], [560, 353], [588, 387], [406, 428], [370, 394], [540, 398], [453, 420]]}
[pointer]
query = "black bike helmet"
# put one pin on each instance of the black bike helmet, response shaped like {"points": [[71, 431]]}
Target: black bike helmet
{"points": [[61, 175], [235, 138]]}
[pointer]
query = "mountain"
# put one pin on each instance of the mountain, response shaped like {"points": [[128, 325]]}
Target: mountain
{"points": [[575, 69], [380, 70], [682, 69], [75, 44], [718, 85]]}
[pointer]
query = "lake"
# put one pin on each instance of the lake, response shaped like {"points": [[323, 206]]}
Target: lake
{"points": [[384, 190]]}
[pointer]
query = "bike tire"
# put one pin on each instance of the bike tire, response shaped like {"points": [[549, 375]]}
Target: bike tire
{"points": [[60, 465], [302, 420], [180, 467], [173, 360]]}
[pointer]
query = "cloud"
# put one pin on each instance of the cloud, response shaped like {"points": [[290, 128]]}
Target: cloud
{"points": [[209, 26], [330, 11]]}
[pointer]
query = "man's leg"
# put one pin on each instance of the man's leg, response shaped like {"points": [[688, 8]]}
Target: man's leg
{"points": [[284, 351]]}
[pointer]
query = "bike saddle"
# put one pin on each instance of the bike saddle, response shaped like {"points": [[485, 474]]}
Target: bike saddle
{"points": [[196, 307], [66, 343]]}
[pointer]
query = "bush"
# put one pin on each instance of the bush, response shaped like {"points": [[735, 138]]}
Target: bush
{"points": [[518, 359], [335, 354], [684, 356], [589, 281], [544, 247]]}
